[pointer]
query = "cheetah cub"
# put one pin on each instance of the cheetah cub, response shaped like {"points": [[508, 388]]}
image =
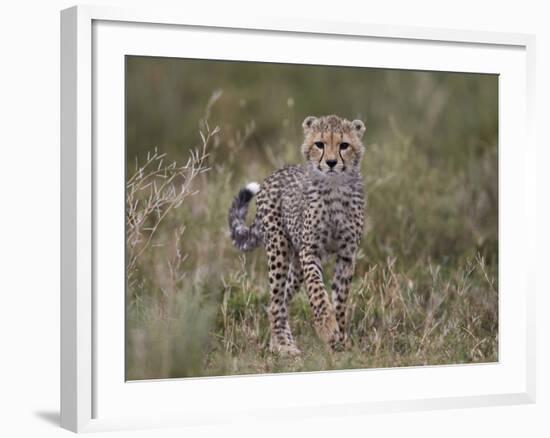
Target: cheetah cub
{"points": [[306, 213]]}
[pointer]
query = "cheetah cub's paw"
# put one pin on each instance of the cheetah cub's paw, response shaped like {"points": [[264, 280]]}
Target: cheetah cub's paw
{"points": [[341, 342], [284, 350], [337, 345], [347, 343], [329, 332]]}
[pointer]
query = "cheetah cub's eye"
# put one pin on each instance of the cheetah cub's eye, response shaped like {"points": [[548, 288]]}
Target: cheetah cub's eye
{"points": [[344, 146], [320, 144]]}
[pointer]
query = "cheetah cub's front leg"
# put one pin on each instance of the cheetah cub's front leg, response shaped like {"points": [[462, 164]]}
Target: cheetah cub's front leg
{"points": [[323, 312], [314, 236]]}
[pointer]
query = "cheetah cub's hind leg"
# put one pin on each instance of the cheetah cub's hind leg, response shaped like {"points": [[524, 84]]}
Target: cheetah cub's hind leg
{"points": [[340, 290], [294, 280], [278, 254]]}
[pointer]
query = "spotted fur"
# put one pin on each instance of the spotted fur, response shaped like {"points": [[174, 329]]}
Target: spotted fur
{"points": [[306, 213]]}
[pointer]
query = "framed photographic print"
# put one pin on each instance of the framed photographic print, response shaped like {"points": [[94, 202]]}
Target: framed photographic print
{"points": [[264, 217]]}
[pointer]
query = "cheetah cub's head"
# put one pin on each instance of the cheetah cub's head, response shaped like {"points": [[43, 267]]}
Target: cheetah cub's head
{"points": [[332, 145]]}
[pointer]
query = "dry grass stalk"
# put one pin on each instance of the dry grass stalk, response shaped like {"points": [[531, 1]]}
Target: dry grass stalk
{"points": [[156, 188]]}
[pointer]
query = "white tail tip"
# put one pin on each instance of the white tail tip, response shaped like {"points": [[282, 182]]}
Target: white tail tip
{"points": [[253, 187]]}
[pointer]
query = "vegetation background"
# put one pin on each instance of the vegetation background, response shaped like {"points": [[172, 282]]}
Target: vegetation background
{"points": [[425, 289]]}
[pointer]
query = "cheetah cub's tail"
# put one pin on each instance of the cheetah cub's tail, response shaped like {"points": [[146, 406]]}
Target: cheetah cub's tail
{"points": [[243, 237]]}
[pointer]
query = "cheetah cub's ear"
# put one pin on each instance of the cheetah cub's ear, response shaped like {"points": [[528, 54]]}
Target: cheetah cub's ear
{"points": [[307, 123], [359, 127]]}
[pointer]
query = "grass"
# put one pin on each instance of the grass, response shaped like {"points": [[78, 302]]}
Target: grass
{"points": [[425, 290]]}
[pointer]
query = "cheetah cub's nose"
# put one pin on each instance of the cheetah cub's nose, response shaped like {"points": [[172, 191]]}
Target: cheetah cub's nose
{"points": [[331, 163]]}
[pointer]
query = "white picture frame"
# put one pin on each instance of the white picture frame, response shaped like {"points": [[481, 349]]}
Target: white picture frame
{"points": [[93, 396]]}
